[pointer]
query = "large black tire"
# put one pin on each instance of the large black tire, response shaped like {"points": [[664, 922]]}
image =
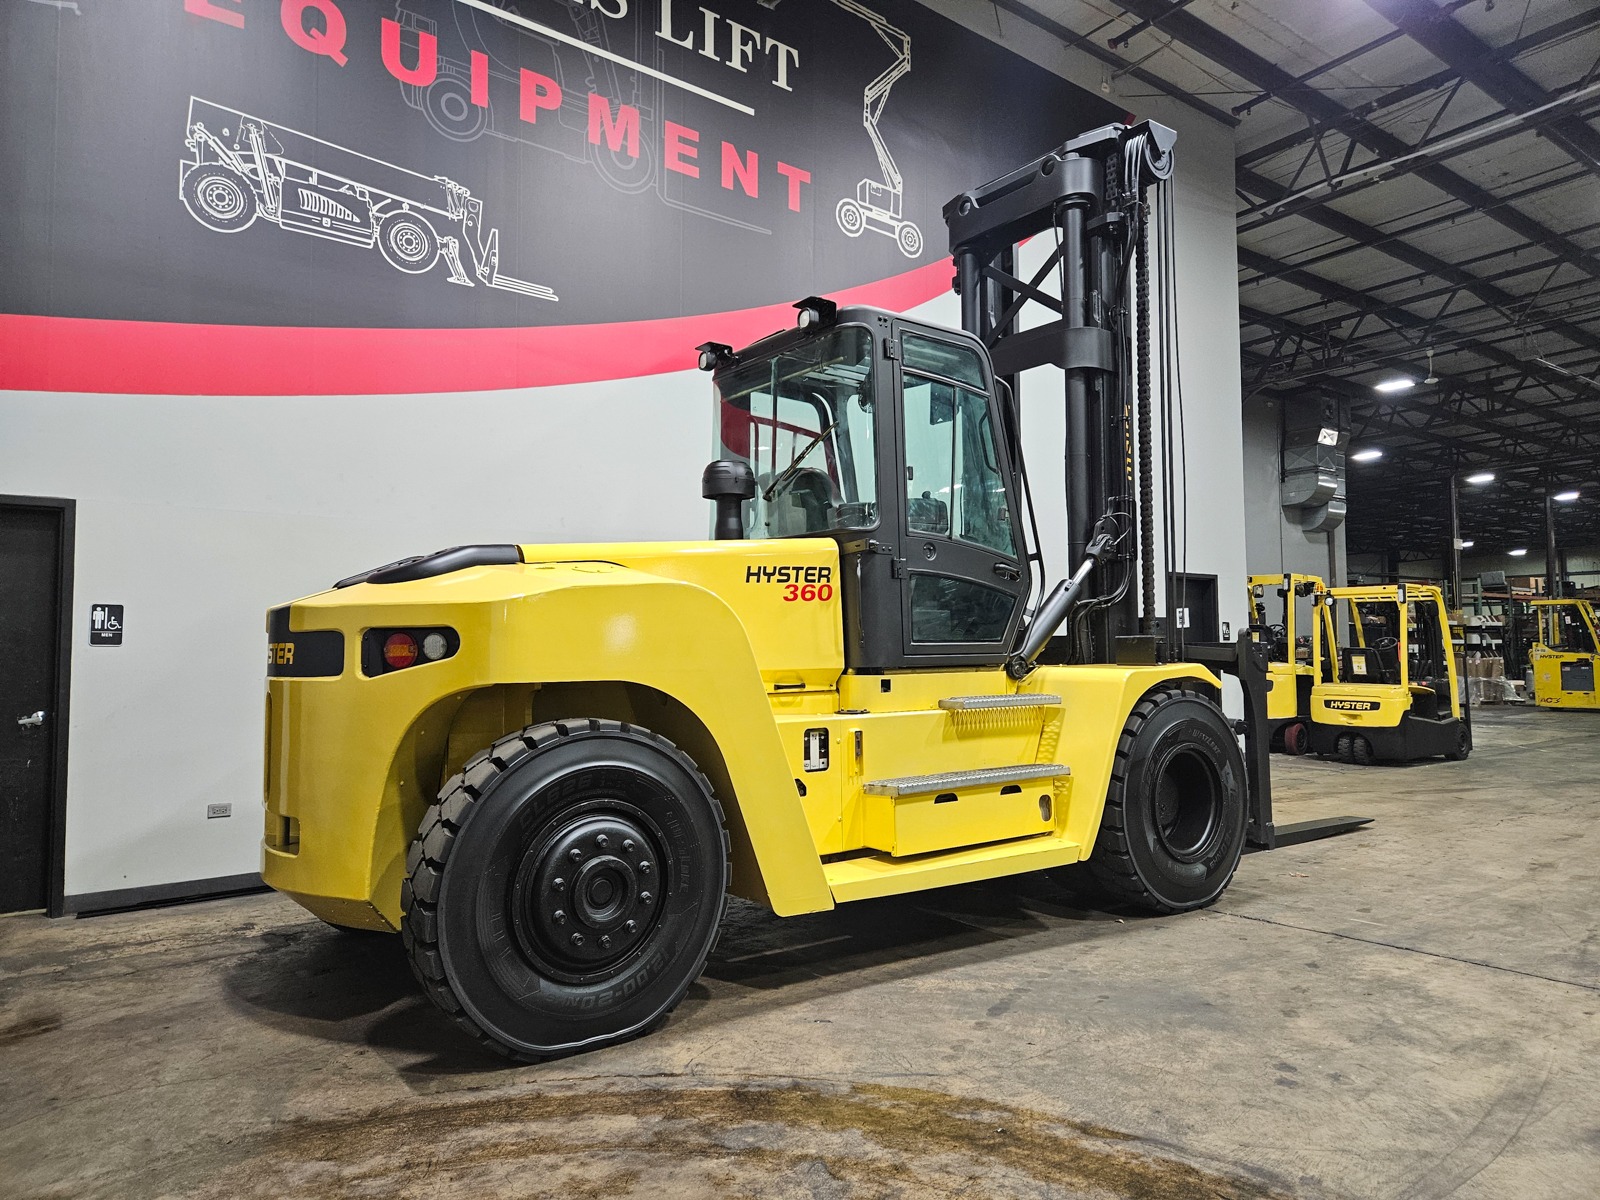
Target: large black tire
{"points": [[1360, 751], [1463, 744], [1174, 822], [567, 888], [218, 197]]}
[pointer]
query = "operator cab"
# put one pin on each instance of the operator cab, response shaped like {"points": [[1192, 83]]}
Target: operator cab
{"points": [[884, 434], [1393, 639]]}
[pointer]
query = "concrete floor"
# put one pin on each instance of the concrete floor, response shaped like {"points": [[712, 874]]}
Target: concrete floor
{"points": [[1406, 1013]]}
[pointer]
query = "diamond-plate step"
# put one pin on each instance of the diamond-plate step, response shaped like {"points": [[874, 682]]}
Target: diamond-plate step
{"points": [[952, 781], [1008, 700]]}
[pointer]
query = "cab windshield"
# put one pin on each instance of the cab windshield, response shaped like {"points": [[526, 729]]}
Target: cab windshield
{"points": [[804, 421]]}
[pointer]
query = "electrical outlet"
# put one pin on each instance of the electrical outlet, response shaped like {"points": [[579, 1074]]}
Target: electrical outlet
{"points": [[218, 810]]}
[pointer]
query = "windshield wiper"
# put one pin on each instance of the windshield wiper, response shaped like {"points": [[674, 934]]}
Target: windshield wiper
{"points": [[787, 473]]}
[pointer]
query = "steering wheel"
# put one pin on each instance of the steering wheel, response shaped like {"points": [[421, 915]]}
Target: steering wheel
{"points": [[1385, 643]]}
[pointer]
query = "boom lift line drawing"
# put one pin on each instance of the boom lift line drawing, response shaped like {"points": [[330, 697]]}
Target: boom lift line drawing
{"points": [[877, 206], [241, 169]]}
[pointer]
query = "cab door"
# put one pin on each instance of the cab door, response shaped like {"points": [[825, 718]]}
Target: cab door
{"points": [[961, 555]]}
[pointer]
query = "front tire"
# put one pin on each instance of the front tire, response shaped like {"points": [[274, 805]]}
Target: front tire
{"points": [[850, 217], [1174, 823], [447, 103], [407, 241], [218, 197], [567, 888], [1463, 744], [909, 238]]}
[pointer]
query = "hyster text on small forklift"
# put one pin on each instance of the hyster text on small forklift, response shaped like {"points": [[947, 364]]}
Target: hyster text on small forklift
{"points": [[1291, 670], [547, 764], [1566, 655], [1388, 690]]}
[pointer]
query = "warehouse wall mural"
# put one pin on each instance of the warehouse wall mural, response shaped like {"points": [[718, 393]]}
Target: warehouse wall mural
{"points": [[383, 196]]}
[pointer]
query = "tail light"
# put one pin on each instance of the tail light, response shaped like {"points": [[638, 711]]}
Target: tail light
{"points": [[384, 651]]}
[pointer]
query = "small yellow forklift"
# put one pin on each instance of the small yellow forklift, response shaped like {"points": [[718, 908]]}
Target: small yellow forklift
{"points": [[547, 764], [1291, 670], [1566, 654], [1388, 691]]}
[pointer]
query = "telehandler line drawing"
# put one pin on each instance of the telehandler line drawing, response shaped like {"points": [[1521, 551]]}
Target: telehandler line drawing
{"points": [[547, 765], [242, 166]]}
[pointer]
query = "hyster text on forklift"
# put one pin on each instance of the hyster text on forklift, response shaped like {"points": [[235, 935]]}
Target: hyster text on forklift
{"points": [[547, 764]]}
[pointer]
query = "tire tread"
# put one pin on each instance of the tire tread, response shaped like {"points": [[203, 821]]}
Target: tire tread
{"points": [[430, 852], [1111, 867]]}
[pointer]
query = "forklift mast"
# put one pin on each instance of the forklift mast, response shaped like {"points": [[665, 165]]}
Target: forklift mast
{"points": [[1090, 195]]}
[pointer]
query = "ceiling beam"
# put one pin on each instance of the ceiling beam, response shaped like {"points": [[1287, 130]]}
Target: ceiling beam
{"points": [[1078, 41], [1442, 36], [1577, 23], [1266, 75], [1358, 231], [1328, 289]]}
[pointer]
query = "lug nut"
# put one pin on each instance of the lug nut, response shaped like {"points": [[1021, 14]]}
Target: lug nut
{"points": [[605, 941], [575, 854], [627, 845], [559, 917], [631, 926], [602, 841], [644, 897], [557, 884], [577, 939], [644, 867]]}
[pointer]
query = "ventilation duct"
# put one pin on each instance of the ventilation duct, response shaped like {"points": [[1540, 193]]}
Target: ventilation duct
{"points": [[1316, 432]]}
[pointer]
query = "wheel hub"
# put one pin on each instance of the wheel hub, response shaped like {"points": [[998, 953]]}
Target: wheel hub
{"points": [[588, 893], [1188, 806]]}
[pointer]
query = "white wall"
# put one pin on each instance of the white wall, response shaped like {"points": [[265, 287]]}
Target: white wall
{"points": [[199, 513]]}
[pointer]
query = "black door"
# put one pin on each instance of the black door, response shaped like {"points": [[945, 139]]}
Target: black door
{"points": [[961, 558], [1194, 607], [33, 554]]}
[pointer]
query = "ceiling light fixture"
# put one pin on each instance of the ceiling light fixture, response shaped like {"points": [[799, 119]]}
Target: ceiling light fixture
{"points": [[1394, 385], [1468, 544], [1432, 378], [1481, 477], [1519, 552], [1372, 454], [1565, 497]]}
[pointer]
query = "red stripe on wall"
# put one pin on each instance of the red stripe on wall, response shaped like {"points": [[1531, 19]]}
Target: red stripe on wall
{"points": [[73, 354]]}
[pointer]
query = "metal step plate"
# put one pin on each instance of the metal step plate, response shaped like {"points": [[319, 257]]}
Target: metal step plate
{"points": [[952, 781], [1008, 700]]}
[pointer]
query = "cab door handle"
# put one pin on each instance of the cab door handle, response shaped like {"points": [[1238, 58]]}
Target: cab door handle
{"points": [[32, 719], [1007, 571]]}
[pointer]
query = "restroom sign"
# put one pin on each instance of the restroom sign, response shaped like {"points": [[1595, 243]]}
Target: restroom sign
{"points": [[105, 625]]}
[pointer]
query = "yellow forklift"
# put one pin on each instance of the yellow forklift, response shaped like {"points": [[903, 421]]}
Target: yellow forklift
{"points": [[1565, 655], [1389, 690], [1290, 669], [546, 764]]}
